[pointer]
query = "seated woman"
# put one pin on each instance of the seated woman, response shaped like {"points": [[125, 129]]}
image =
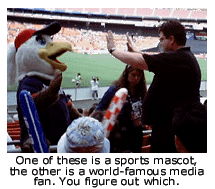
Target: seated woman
{"points": [[126, 135]]}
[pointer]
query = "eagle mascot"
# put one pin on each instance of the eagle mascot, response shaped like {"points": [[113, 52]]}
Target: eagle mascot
{"points": [[32, 63]]}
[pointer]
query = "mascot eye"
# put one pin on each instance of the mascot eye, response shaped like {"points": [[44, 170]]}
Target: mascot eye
{"points": [[41, 40]]}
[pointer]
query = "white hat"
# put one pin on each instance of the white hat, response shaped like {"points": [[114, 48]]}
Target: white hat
{"points": [[84, 134]]}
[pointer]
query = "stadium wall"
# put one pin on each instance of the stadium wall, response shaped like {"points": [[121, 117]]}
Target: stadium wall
{"points": [[77, 94], [86, 94]]}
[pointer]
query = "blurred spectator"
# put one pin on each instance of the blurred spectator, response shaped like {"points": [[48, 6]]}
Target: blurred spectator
{"points": [[78, 80], [84, 135], [127, 134], [94, 86], [190, 128], [69, 97], [80, 110], [86, 112], [92, 108]]}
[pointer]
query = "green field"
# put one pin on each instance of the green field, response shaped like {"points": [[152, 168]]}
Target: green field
{"points": [[103, 66]]}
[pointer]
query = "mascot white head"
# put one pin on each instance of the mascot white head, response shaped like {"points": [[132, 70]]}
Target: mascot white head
{"points": [[35, 54]]}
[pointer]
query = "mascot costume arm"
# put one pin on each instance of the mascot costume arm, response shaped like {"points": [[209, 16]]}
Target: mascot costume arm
{"points": [[48, 96]]}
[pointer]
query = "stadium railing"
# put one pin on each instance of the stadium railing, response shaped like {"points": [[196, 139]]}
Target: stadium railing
{"points": [[52, 148]]}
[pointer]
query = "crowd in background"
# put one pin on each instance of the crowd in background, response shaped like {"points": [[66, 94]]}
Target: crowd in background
{"points": [[82, 39], [86, 40]]}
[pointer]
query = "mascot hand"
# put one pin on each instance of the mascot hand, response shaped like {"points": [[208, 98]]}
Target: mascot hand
{"points": [[56, 82], [73, 112]]}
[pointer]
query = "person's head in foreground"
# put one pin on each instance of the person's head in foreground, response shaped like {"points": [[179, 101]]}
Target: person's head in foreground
{"points": [[84, 135], [190, 127]]}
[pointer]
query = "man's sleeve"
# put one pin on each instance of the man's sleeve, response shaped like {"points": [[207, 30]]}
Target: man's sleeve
{"points": [[162, 63]]}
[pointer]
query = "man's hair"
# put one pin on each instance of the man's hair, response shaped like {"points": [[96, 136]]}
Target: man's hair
{"points": [[190, 126], [175, 29]]}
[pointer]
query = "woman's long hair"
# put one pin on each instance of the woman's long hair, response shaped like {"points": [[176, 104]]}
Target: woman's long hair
{"points": [[122, 82]]}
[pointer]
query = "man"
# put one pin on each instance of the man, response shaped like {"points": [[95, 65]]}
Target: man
{"points": [[190, 128], [176, 81], [94, 87]]}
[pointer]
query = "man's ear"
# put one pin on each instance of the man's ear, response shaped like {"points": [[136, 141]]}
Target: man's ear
{"points": [[172, 39], [179, 146]]}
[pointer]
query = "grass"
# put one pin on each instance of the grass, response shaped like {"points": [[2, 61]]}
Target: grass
{"points": [[203, 67], [104, 66]]}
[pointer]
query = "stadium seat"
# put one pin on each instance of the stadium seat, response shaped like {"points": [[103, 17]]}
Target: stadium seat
{"points": [[15, 136], [13, 125], [109, 10], [13, 130], [164, 13], [75, 9], [126, 11], [198, 14], [180, 13], [92, 10]]}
